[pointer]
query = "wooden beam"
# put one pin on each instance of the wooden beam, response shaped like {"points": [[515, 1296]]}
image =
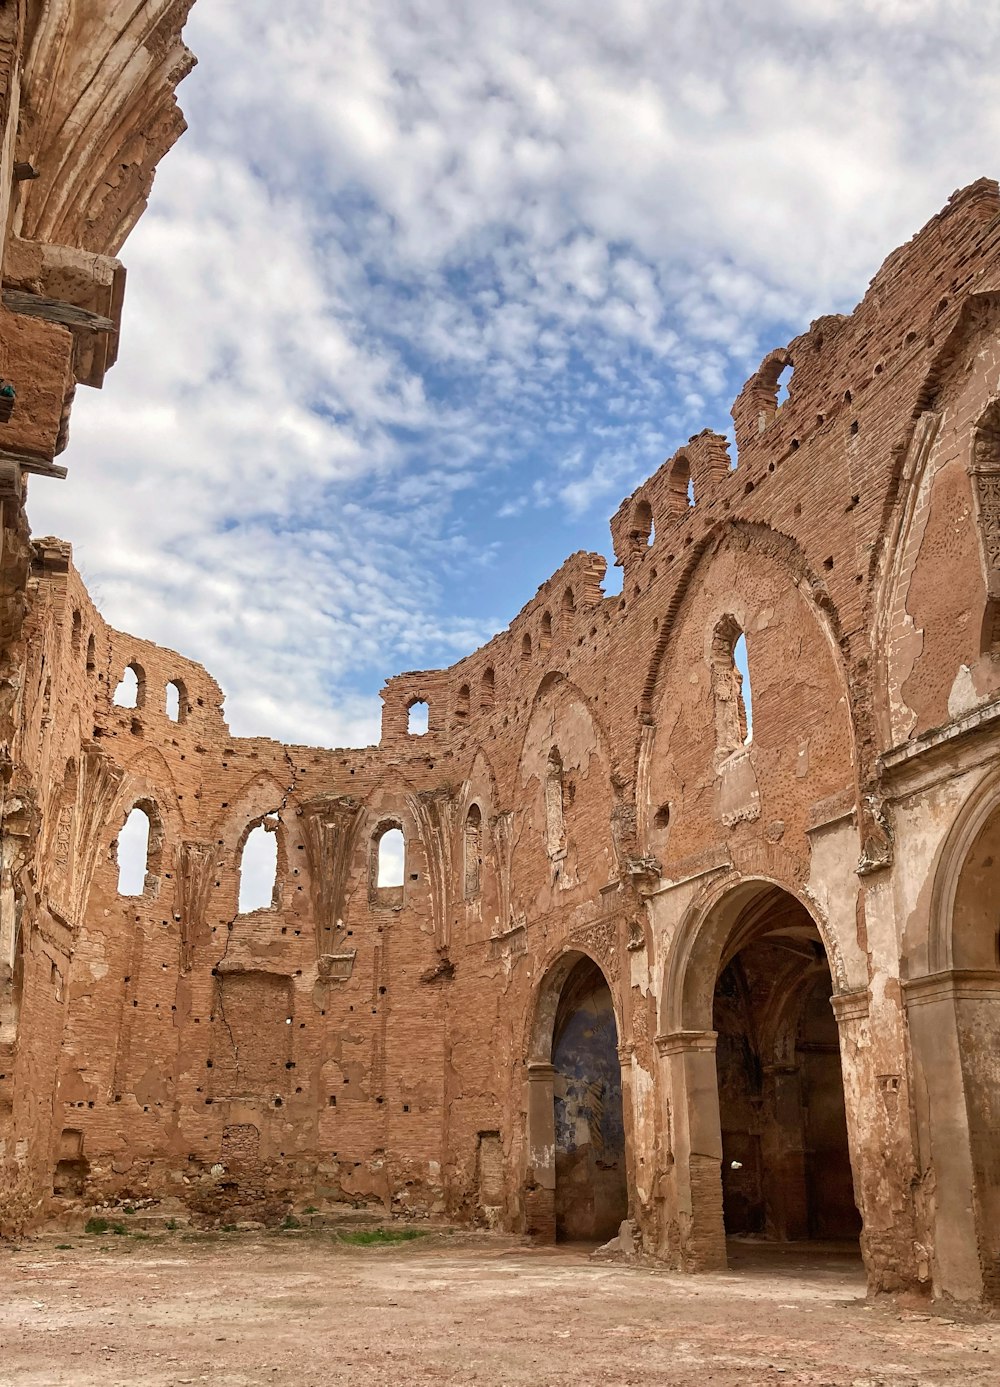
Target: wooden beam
{"points": [[30, 462], [55, 311]]}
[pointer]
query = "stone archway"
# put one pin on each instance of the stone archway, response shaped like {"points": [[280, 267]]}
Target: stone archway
{"points": [[752, 1072], [576, 1180], [953, 1015], [786, 1168]]}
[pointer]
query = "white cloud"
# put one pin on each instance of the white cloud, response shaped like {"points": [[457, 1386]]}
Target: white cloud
{"points": [[411, 278]]}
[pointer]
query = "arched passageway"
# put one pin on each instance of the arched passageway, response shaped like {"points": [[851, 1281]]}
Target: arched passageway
{"points": [[591, 1191], [786, 1168], [576, 1177], [953, 1014]]}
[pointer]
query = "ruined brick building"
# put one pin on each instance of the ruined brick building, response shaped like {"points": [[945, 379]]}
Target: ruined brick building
{"points": [[658, 950]]}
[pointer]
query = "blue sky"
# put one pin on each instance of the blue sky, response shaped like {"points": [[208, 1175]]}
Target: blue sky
{"points": [[425, 290]]}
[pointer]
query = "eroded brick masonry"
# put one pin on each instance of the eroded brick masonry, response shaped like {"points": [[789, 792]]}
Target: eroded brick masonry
{"points": [[709, 951]]}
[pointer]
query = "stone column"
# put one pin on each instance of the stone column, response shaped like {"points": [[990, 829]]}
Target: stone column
{"points": [[954, 1023], [540, 1175], [690, 1078], [626, 1052]]}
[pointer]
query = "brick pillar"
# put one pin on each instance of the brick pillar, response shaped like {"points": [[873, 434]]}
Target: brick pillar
{"points": [[540, 1176], [691, 1080]]}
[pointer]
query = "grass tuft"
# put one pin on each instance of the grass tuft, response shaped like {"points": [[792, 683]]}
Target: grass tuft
{"points": [[377, 1237]]}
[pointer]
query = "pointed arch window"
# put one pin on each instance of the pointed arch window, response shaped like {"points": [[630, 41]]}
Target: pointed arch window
{"points": [[136, 851], [555, 810], [731, 688], [131, 691], [387, 865], [473, 852], [259, 866]]}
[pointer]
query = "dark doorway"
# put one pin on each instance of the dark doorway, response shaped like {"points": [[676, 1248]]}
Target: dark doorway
{"points": [[786, 1170], [591, 1190]]}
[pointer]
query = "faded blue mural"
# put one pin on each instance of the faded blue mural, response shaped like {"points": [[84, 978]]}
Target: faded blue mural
{"points": [[591, 1196]]}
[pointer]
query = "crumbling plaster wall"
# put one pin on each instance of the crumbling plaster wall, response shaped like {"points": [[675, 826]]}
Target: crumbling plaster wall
{"points": [[351, 1044]]}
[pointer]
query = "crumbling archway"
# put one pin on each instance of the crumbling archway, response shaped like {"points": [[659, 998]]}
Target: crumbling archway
{"points": [[751, 1045], [576, 1183]]}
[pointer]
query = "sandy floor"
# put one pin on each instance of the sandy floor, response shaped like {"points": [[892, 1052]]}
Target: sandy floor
{"points": [[298, 1309]]}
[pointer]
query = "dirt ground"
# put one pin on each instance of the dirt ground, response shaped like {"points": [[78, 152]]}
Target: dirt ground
{"points": [[300, 1309]]}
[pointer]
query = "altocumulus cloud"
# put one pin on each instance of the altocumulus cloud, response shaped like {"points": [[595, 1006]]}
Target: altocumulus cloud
{"points": [[425, 289]]}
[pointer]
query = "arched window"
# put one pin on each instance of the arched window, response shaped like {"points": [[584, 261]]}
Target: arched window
{"points": [[985, 472], [731, 687], [568, 605], [418, 714], [91, 654], [642, 524], [131, 692], [555, 817], [782, 383], [132, 853], [473, 851], [546, 637], [487, 688], [259, 867], [176, 701], [680, 486], [462, 704], [387, 865], [77, 634], [526, 647]]}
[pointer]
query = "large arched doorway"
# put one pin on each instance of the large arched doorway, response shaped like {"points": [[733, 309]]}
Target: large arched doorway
{"points": [[577, 1186], [786, 1167], [953, 1014], [591, 1190]]}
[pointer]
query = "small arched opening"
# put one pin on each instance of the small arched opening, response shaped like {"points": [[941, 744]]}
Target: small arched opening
{"points": [[642, 534], [131, 690], [545, 639], [132, 852], [577, 1182], [387, 865], [417, 718], [731, 688], [462, 704], [487, 688], [473, 852], [525, 648], [91, 654], [680, 486], [175, 701], [259, 866]]}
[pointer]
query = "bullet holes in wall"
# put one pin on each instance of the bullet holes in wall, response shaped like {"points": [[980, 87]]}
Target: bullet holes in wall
{"points": [[259, 866]]}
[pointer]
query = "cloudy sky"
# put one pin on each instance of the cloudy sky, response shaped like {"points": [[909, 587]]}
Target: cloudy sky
{"points": [[426, 289]]}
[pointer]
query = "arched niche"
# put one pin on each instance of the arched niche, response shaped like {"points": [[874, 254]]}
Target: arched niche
{"points": [[576, 1176], [695, 753], [564, 847]]}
